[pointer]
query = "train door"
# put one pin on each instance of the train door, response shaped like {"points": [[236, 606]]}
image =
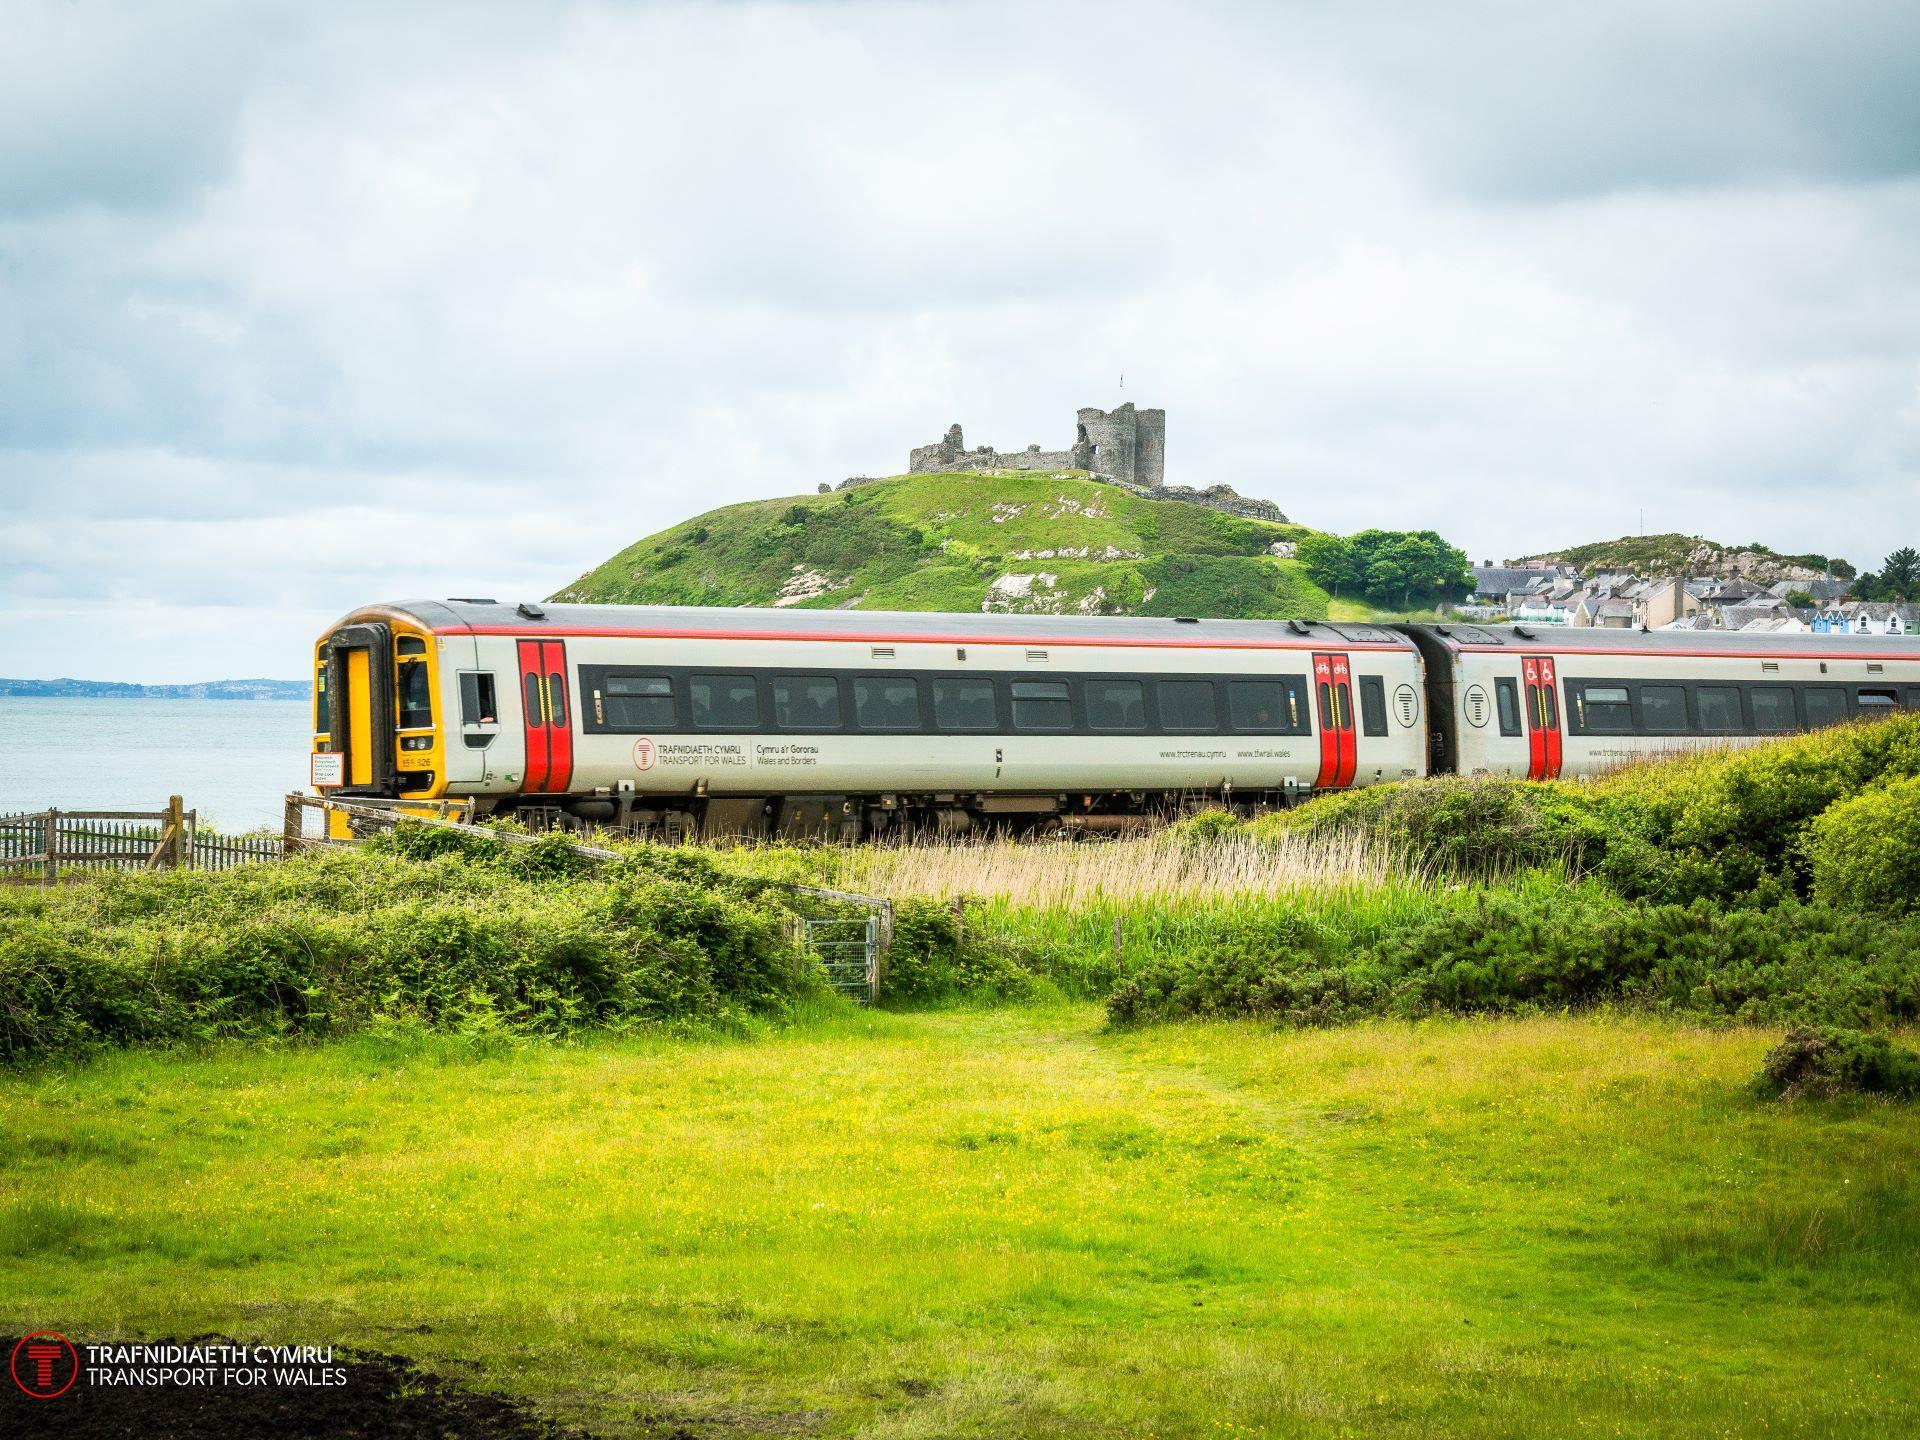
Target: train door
{"points": [[1543, 716], [549, 721], [1333, 692], [360, 706]]}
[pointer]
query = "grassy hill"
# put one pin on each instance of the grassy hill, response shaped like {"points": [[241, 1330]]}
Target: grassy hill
{"points": [[1055, 544], [1694, 555]]}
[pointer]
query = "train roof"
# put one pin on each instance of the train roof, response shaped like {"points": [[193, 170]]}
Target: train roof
{"points": [[1560, 639], [493, 617]]}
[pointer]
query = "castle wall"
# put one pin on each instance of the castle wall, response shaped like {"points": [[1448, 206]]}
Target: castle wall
{"points": [[1150, 465], [1113, 441]]}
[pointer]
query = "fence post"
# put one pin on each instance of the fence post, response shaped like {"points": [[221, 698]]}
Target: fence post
{"points": [[190, 840], [50, 847], [291, 827], [170, 838]]}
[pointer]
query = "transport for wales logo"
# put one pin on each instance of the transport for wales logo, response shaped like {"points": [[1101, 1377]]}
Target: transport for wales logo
{"points": [[45, 1364]]}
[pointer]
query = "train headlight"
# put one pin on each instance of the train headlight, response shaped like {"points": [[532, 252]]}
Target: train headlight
{"points": [[416, 742]]}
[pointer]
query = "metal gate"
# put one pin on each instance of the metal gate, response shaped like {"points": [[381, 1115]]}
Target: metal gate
{"points": [[849, 952]]}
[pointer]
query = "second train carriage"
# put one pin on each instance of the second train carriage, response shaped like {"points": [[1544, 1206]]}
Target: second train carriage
{"points": [[681, 720], [665, 720]]}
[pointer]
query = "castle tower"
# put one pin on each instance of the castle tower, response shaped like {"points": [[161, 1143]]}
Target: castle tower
{"points": [[1127, 444]]}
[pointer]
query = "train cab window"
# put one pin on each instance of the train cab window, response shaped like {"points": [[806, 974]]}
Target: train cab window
{"points": [[724, 702], [1041, 705], [1826, 705], [1373, 705], [1116, 705], [1878, 702], [963, 703], [886, 702], [415, 701], [477, 705], [806, 702], [1772, 709], [1719, 709], [1188, 705], [1604, 709], [637, 702], [1663, 709], [1507, 695]]}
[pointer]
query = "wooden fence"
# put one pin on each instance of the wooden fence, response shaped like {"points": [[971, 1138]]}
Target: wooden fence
{"points": [[49, 846]]}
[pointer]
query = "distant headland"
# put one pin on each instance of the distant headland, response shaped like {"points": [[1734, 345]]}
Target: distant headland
{"points": [[114, 690]]}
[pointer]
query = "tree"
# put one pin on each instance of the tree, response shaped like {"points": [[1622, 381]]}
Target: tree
{"points": [[1900, 576], [1390, 567], [1331, 563], [1800, 599]]}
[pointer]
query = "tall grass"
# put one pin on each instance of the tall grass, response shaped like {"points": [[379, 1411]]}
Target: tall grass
{"points": [[1172, 867]]}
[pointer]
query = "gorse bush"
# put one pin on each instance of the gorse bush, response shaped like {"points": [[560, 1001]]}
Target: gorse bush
{"points": [[1822, 1061]]}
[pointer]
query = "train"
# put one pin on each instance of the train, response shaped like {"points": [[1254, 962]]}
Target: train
{"points": [[672, 722]]}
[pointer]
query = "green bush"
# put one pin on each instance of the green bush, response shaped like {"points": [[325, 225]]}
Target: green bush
{"points": [[1865, 851], [1545, 945], [433, 927], [1822, 1061], [933, 957]]}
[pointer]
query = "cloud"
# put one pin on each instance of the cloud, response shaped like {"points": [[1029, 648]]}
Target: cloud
{"points": [[300, 310]]}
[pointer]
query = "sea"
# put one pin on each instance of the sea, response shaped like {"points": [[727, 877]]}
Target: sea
{"points": [[232, 760]]}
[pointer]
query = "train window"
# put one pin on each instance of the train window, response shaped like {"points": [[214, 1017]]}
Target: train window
{"points": [[535, 703], [1772, 708], [1041, 705], [1373, 705], [556, 699], [1826, 705], [1604, 709], [410, 645], [638, 702], [477, 705], [724, 702], [1259, 706], [1913, 699], [806, 702], [1663, 709], [416, 702], [963, 704], [886, 702], [320, 721], [1719, 708], [1188, 705], [1116, 705], [1507, 693], [1872, 702]]}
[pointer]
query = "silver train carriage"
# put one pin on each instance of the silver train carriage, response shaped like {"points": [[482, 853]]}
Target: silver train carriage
{"points": [[675, 721], [747, 721]]}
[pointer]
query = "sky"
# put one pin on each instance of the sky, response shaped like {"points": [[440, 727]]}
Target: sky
{"points": [[309, 306]]}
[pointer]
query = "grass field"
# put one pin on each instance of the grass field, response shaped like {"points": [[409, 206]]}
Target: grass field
{"points": [[1015, 1222]]}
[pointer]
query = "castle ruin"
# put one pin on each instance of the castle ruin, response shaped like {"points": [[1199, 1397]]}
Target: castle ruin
{"points": [[1123, 446]]}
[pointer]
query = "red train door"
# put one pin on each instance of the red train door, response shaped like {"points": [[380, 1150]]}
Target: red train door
{"points": [[549, 721], [1333, 692], [1543, 716]]}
